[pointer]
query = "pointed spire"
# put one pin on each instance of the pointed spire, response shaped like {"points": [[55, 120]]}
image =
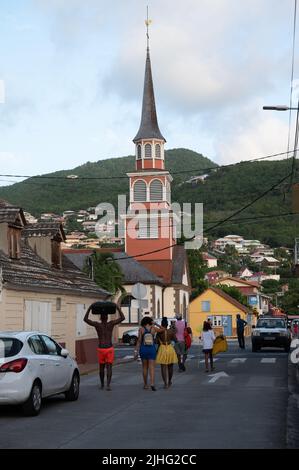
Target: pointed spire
{"points": [[149, 128]]}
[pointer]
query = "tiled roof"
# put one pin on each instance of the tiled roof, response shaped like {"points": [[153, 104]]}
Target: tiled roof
{"points": [[44, 229], [9, 213], [32, 273]]}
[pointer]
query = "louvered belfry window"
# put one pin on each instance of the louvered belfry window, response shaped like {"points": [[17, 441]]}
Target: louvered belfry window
{"points": [[158, 151], [156, 190], [138, 151], [148, 151], [140, 191]]}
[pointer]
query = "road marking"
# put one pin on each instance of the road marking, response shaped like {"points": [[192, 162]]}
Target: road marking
{"points": [[239, 359], [268, 360], [127, 357], [217, 376], [191, 356]]}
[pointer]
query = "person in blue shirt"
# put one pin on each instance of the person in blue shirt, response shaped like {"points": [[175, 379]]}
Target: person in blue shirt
{"points": [[240, 331]]}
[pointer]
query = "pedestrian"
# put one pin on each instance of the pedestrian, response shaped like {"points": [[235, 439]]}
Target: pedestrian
{"points": [[166, 354], [105, 350], [208, 338], [188, 340], [240, 331], [146, 348], [180, 346]]}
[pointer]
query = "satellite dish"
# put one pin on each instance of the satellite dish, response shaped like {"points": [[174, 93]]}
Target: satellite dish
{"points": [[139, 291]]}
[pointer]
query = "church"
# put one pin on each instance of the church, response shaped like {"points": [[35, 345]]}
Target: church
{"points": [[152, 255]]}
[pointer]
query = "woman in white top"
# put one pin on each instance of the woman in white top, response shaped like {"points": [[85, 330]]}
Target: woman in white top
{"points": [[208, 338]]}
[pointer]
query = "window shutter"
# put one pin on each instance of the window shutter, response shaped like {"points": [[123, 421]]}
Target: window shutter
{"points": [[148, 151], [156, 191], [138, 151], [158, 151], [142, 228], [139, 191]]}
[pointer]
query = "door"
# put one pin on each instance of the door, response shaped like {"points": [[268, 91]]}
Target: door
{"points": [[37, 316], [227, 325], [59, 367], [40, 364]]}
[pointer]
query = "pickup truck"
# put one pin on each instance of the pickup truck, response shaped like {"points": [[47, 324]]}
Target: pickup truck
{"points": [[271, 332]]}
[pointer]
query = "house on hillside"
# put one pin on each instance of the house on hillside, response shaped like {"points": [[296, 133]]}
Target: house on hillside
{"points": [[251, 290], [213, 276], [244, 272], [210, 260], [41, 289], [222, 309]]}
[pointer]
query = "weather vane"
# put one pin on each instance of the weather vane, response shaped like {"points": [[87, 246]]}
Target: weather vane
{"points": [[148, 22]]}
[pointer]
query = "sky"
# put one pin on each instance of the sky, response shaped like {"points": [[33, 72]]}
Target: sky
{"points": [[71, 78]]}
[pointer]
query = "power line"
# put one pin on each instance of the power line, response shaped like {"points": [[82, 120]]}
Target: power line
{"points": [[217, 167]]}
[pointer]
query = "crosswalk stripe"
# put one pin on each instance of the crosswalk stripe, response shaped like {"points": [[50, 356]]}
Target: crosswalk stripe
{"points": [[268, 360], [239, 360]]}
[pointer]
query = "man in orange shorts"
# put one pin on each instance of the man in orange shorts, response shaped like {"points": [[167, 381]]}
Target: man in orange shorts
{"points": [[105, 350]]}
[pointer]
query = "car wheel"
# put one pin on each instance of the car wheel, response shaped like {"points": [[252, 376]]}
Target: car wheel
{"points": [[33, 405], [133, 341], [73, 392]]}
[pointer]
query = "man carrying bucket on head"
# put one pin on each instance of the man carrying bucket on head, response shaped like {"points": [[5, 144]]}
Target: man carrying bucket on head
{"points": [[104, 330]]}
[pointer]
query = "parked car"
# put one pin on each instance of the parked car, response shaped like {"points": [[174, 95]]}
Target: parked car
{"points": [[271, 331], [131, 336], [33, 366]]}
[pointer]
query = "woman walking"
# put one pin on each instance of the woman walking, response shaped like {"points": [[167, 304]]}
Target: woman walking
{"points": [[208, 338], [147, 349], [166, 354]]}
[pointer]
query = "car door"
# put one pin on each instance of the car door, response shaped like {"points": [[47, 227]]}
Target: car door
{"points": [[60, 366], [41, 367]]}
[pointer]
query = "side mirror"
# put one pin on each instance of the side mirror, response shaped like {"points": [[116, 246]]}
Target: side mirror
{"points": [[64, 353], [253, 326]]}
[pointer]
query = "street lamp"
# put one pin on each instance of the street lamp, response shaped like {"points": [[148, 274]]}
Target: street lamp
{"points": [[280, 107]]}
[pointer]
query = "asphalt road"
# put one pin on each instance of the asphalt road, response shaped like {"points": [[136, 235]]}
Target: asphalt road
{"points": [[245, 407]]}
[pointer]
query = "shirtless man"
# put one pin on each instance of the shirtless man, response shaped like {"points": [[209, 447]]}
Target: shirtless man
{"points": [[105, 350]]}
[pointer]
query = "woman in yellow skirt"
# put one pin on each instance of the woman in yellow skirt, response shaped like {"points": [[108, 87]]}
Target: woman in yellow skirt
{"points": [[166, 354]]}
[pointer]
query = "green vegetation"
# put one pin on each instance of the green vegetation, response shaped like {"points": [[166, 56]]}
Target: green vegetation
{"points": [[223, 192], [235, 293], [106, 272]]}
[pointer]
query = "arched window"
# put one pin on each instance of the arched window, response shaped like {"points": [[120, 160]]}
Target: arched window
{"points": [[138, 151], [139, 191], [148, 151], [158, 151], [156, 190]]}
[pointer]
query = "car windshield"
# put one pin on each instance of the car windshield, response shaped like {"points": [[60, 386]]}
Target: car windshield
{"points": [[270, 323], [10, 347]]}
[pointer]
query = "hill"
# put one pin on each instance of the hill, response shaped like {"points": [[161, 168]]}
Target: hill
{"points": [[222, 193]]}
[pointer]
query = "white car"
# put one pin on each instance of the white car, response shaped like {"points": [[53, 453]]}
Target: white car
{"points": [[33, 366]]}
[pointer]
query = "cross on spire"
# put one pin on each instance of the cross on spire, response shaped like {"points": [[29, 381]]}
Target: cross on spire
{"points": [[147, 23]]}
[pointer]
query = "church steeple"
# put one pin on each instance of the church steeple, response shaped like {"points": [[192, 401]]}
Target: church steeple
{"points": [[149, 128], [149, 141]]}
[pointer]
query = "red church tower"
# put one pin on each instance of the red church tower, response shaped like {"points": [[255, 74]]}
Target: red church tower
{"points": [[152, 236]]}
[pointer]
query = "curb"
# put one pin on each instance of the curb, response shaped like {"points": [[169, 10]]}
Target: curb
{"points": [[292, 437]]}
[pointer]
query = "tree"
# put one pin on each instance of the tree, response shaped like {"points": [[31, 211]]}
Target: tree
{"points": [[201, 287], [270, 286], [290, 300], [72, 225], [197, 267], [106, 272], [235, 293]]}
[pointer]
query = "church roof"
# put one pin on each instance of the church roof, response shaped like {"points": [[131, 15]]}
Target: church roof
{"points": [[149, 128]]}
